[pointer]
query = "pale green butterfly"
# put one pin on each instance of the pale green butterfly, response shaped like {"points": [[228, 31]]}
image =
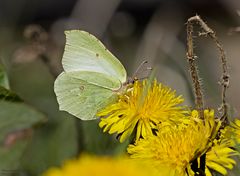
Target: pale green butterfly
{"points": [[92, 76]]}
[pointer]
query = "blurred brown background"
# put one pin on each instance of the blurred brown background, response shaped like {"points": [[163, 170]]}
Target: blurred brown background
{"points": [[133, 30]]}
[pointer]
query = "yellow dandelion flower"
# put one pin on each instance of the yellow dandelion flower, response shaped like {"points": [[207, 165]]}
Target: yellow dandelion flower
{"points": [[218, 158], [141, 109], [174, 148], [219, 155], [100, 166]]}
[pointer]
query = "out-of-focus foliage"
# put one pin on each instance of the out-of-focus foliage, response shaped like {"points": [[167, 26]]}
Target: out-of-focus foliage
{"points": [[95, 141], [16, 117], [5, 93], [50, 137], [17, 120], [52, 144], [8, 95], [3, 78]]}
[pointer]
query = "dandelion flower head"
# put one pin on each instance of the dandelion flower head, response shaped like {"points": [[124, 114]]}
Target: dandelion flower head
{"points": [[218, 157], [143, 107], [174, 148]]}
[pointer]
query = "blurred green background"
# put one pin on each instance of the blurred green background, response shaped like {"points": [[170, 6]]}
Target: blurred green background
{"points": [[34, 134]]}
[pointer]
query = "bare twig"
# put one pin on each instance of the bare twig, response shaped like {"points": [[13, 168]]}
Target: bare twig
{"points": [[191, 57], [194, 74]]}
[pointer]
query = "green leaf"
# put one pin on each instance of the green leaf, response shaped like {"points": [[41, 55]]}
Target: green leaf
{"points": [[3, 78], [16, 121], [52, 144], [8, 95], [10, 157], [5, 93], [17, 116], [55, 141]]}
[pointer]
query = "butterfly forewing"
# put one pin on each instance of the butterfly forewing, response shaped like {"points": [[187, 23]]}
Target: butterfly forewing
{"points": [[84, 52]]}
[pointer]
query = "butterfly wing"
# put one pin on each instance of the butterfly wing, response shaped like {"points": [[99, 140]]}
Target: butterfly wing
{"points": [[81, 98], [84, 52], [98, 79]]}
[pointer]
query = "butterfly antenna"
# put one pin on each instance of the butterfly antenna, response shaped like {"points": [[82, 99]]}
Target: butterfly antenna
{"points": [[147, 86], [139, 67]]}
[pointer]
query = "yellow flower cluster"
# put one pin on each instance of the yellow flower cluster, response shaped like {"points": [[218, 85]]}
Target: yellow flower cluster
{"points": [[170, 139], [169, 136]]}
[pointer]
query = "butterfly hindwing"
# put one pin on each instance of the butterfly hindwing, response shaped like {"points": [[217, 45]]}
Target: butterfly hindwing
{"points": [[81, 98]]}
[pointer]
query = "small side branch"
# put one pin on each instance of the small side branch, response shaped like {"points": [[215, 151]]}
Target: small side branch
{"points": [[191, 57], [207, 31]]}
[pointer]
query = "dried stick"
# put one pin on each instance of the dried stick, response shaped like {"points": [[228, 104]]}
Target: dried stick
{"points": [[190, 55]]}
